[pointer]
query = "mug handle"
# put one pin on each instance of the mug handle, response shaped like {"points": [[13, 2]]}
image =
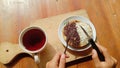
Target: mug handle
{"points": [[37, 59]]}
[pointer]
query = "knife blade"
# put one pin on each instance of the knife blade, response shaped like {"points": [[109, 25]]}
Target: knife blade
{"points": [[94, 46]]}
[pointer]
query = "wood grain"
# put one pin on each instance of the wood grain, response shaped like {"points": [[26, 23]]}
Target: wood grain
{"points": [[50, 26], [17, 14], [11, 50]]}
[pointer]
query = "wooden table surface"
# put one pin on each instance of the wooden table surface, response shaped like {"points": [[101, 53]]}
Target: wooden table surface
{"points": [[17, 14]]}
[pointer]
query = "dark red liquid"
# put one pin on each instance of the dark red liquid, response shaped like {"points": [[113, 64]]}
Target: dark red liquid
{"points": [[34, 39]]}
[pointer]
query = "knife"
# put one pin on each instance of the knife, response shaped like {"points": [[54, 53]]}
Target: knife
{"points": [[94, 46]]}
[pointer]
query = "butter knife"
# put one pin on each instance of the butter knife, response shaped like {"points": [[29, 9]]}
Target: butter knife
{"points": [[94, 46]]}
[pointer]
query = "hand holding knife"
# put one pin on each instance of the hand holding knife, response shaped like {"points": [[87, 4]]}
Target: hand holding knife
{"points": [[94, 46]]}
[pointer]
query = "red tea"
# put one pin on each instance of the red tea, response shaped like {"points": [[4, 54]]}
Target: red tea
{"points": [[34, 39]]}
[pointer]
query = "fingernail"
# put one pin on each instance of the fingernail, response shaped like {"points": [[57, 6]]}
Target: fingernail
{"points": [[93, 51], [63, 56]]}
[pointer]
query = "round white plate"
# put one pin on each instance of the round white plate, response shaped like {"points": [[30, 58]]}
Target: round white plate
{"points": [[79, 18]]}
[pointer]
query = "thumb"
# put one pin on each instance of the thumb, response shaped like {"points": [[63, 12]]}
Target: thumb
{"points": [[95, 56], [62, 61]]}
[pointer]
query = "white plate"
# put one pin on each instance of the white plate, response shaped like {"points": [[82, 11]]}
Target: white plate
{"points": [[79, 18]]}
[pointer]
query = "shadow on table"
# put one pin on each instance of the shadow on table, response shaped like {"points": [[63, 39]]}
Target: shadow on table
{"points": [[78, 61], [45, 56], [16, 59], [81, 56]]}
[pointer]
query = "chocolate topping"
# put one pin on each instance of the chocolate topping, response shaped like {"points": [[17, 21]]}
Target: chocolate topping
{"points": [[70, 32]]}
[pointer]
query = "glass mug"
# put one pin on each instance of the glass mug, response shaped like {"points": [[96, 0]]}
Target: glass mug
{"points": [[33, 40]]}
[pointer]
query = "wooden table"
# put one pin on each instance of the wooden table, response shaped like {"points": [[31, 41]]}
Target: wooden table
{"points": [[16, 15]]}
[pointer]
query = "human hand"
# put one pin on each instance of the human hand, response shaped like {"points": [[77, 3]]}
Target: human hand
{"points": [[109, 62], [58, 61]]}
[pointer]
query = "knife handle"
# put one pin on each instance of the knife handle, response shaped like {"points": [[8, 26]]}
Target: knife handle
{"points": [[94, 46]]}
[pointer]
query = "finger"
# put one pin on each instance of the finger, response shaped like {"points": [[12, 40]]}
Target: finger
{"points": [[95, 56], [105, 52], [62, 61], [114, 60], [47, 65], [56, 58], [100, 47], [67, 56]]}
